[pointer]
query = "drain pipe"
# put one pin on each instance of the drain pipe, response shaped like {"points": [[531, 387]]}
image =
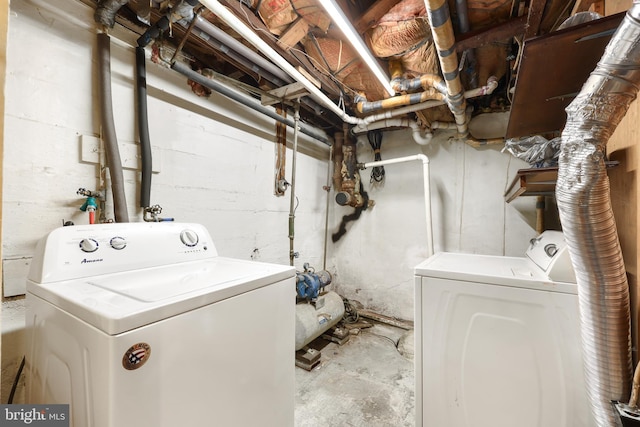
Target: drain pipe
{"points": [[114, 162], [419, 136], [444, 41], [427, 189], [584, 203]]}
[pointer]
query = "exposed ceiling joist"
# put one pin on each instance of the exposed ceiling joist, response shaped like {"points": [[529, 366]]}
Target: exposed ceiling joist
{"points": [[373, 14]]}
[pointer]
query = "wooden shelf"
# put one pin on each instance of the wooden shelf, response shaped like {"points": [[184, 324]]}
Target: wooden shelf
{"points": [[537, 182], [533, 182]]}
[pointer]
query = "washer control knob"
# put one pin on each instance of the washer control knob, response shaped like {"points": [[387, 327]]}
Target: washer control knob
{"points": [[118, 243], [189, 238], [88, 245], [551, 250]]}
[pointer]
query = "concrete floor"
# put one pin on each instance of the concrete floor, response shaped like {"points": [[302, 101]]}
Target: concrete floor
{"points": [[365, 382]]}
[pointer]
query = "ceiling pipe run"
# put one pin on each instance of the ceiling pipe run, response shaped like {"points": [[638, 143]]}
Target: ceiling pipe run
{"points": [[210, 31], [399, 101], [492, 84], [443, 35], [584, 203], [246, 100], [237, 25]]}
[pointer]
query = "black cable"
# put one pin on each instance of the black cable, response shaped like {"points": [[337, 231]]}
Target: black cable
{"points": [[15, 382], [375, 139], [350, 313]]}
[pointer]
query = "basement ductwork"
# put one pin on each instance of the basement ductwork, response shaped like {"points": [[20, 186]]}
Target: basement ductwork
{"points": [[584, 203]]}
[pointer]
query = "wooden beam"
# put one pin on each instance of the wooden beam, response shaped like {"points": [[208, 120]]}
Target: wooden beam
{"points": [[534, 18], [293, 34], [475, 39], [373, 14]]}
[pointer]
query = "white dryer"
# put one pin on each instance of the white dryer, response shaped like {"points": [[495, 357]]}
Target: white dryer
{"points": [[498, 340], [143, 324]]}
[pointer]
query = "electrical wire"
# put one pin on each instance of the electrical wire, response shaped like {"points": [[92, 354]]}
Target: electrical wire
{"points": [[375, 139], [350, 313], [15, 382]]}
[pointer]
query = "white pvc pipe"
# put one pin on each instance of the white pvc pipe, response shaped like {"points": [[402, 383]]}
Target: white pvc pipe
{"points": [[427, 189], [420, 137]]}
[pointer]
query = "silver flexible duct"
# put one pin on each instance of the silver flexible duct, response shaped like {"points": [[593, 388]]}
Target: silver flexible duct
{"points": [[586, 215]]}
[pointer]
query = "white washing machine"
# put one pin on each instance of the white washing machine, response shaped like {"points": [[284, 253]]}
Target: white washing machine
{"points": [[143, 324], [498, 340]]}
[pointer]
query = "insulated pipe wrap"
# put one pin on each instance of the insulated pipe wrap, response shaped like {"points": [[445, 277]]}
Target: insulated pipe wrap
{"points": [[444, 40], [583, 198], [143, 128]]}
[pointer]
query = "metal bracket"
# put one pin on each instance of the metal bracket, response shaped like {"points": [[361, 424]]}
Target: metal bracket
{"points": [[291, 91]]}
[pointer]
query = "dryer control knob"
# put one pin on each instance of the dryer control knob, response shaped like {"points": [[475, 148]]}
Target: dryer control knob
{"points": [[189, 238], [88, 245], [118, 243]]}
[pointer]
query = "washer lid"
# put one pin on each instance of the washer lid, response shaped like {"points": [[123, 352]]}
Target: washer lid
{"points": [[119, 302], [491, 269]]}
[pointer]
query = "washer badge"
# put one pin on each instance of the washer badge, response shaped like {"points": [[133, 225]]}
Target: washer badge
{"points": [[136, 356]]}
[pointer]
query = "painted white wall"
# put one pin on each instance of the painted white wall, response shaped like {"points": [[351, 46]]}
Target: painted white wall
{"points": [[216, 162]]}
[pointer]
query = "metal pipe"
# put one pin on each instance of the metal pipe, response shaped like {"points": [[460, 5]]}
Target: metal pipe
{"points": [[292, 203], [427, 189], [397, 101], [247, 57], [228, 43], [463, 22], [584, 203], [444, 41], [246, 100], [326, 216], [237, 25], [425, 81], [114, 162], [492, 84]]}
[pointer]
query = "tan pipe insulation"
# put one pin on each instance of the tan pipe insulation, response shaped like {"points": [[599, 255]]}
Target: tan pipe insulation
{"points": [[444, 40], [399, 101], [584, 202]]}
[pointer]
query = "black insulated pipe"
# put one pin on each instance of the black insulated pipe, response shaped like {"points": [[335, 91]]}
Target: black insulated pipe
{"points": [[154, 31], [246, 100], [114, 163], [143, 128]]}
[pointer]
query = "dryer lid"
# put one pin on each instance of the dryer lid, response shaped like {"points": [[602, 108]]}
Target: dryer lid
{"points": [[491, 269]]}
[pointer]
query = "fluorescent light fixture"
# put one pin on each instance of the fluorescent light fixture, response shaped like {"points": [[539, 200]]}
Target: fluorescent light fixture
{"points": [[338, 16]]}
